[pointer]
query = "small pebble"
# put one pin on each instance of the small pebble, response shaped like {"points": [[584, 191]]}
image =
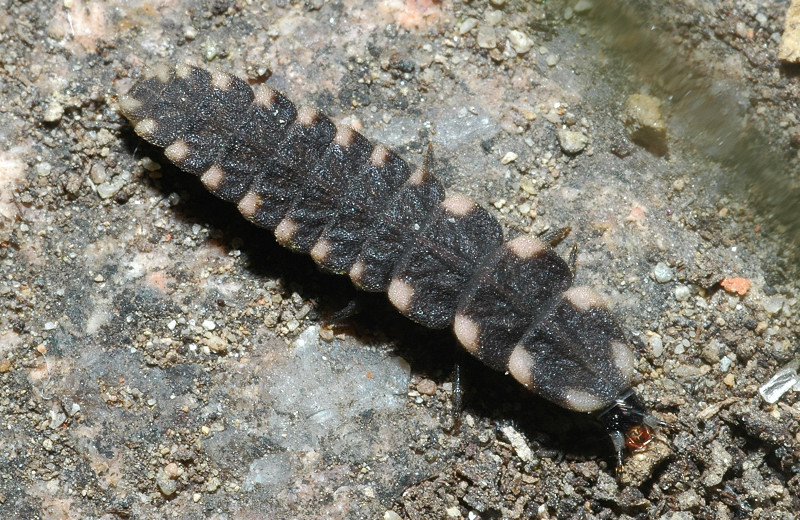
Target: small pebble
{"points": [[571, 141], [190, 33], [772, 304], [552, 60], [528, 186], [466, 26], [682, 293], [521, 42], [645, 123], [54, 112], [196, 497], [166, 485], [656, 345], [109, 189], [568, 14], [173, 471], [663, 273], [494, 17], [508, 158], [583, 6], [487, 37], [209, 325], [518, 443], [99, 278], [43, 169], [391, 515], [426, 387]]}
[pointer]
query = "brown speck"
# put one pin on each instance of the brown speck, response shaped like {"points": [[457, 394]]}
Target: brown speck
{"points": [[426, 387]]}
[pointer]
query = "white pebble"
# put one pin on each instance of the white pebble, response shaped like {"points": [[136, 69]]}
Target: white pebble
{"points": [[209, 325], [682, 293], [663, 273]]}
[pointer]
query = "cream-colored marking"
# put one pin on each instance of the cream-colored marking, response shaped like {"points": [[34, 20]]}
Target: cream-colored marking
{"points": [[526, 246], [213, 177], [221, 80], [285, 230], [178, 151], [356, 272], [161, 72], [417, 177], [379, 155], [265, 96], [623, 359], [401, 295], [128, 105], [468, 333], [249, 204], [183, 70], [520, 366], [581, 400], [583, 298], [321, 250], [146, 127], [344, 135], [458, 205], [307, 116]]}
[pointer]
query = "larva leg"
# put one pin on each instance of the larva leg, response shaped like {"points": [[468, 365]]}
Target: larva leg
{"points": [[555, 236], [573, 257]]}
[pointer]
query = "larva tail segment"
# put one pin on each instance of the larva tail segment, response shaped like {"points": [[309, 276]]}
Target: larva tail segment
{"points": [[359, 209]]}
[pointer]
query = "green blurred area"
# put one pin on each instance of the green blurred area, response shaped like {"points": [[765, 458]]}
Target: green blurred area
{"points": [[713, 116]]}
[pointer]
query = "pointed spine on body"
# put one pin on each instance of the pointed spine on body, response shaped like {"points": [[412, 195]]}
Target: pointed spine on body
{"points": [[359, 210]]}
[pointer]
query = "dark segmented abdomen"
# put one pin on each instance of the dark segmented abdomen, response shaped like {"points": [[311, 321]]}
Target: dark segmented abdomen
{"points": [[359, 210]]}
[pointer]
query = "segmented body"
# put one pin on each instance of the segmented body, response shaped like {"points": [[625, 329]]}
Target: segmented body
{"points": [[359, 210]]}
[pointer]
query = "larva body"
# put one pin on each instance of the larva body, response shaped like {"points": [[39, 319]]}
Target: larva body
{"points": [[360, 211]]}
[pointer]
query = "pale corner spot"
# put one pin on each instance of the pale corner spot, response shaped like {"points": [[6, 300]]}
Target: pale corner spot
{"points": [[344, 136], [221, 80], [285, 230], [307, 115], [526, 246], [458, 205], [161, 72], [249, 204], [379, 156], [401, 294], [146, 127], [213, 177], [520, 366], [183, 70], [178, 151], [321, 250], [623, 359], [357, 272], [468, 333], [583, 298], [417, 177], [581, 400], [128, 106], [264, 96]]}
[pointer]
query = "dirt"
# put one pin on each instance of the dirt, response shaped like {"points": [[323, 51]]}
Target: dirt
{"points": [[160, 357]]}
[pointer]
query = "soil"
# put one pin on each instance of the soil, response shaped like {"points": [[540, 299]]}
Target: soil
{"points": [[162, 358]]}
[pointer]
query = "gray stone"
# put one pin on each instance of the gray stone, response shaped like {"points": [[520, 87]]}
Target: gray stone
{"points": [[571, 142]]}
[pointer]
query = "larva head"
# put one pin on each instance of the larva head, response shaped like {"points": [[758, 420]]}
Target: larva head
{"points": [[629, 424]]}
